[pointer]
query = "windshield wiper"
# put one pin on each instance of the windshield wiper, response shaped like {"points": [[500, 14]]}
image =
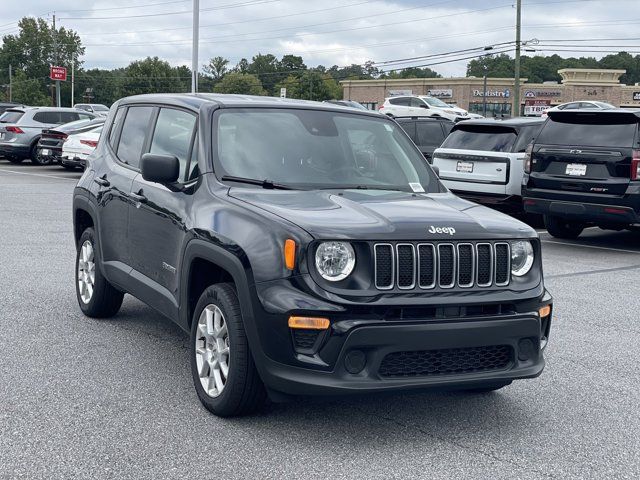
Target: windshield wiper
{"points": [[268, 184], [365, 187]]}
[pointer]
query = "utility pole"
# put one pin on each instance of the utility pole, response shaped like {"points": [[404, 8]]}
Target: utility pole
{"points": [[516, 93], [73, 71], [194, 49], [484, 92], [55, 47], [10, 78]]}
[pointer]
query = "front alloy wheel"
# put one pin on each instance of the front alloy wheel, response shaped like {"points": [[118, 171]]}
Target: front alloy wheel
{"points": [[212, 350], [86, 272]]}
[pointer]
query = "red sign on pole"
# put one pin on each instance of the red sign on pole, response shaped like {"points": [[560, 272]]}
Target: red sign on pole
{"points": [[58, 73]]}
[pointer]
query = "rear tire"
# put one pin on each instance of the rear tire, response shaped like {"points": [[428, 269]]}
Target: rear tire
{"points": [[96, 296], [36, 159], [219, 343], [562, 228]]}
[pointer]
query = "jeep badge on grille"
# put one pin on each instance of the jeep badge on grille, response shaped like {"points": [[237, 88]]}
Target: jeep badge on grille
{"points": [[446, 230]]}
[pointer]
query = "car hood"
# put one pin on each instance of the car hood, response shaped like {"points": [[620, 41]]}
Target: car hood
{"points": [[382, 214]]}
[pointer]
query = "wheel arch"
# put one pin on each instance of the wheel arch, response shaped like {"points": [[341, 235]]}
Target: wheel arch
{"points": [[83, 217]]}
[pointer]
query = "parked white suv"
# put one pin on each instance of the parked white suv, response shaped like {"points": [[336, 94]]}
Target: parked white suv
{"points": [[483, 160], [421, 106]]}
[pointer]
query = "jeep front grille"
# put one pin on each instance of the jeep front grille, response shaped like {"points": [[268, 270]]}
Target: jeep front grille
{"points": [[408, 266]]}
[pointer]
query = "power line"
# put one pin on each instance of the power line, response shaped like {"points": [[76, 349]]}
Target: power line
{"points": [[123, 7], [222, 7]]}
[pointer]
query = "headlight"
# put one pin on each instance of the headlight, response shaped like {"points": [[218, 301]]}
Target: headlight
{"points": [[335, 260], [521, 257], [452, 112]]}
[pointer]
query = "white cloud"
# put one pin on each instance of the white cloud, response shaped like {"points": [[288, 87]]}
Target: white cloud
{"points": [[391, 29]]}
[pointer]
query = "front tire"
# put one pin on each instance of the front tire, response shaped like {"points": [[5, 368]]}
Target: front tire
{"points": [[96, 296], [224, 374], [562, 228]]}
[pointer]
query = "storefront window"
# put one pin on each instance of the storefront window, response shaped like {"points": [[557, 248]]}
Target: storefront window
{"points": [[493, 109]]}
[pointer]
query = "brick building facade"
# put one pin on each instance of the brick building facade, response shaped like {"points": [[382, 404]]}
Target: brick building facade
{"points": [[467, 92]]}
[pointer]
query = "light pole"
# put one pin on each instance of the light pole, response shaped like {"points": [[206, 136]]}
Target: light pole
{"points": [[194, 50]]}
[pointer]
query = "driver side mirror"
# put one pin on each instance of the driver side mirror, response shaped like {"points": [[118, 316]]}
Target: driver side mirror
{"points": [[163, 169]]}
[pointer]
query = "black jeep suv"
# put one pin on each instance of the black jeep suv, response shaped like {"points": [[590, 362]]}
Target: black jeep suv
{"points": [[307, 248], [583, 169]]}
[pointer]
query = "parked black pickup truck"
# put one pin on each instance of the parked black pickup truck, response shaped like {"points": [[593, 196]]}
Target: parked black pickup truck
{"points": [[308, 249]]}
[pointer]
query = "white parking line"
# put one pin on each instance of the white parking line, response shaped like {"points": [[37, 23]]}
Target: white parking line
{"points": [[590, 246], [37, 175]]}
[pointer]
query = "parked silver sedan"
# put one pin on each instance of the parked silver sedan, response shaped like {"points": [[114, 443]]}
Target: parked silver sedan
{"points": [[20, 129]]}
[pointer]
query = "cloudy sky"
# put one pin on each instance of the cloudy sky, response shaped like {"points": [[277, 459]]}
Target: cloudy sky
{"points": [[335, 32]]}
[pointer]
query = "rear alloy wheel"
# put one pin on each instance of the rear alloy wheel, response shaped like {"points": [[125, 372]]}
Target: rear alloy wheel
{"points": [[38, 159], [224, 374], [563, 228]]}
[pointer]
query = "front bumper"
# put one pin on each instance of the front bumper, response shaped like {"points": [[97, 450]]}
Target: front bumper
{"points": [[327, 367]]}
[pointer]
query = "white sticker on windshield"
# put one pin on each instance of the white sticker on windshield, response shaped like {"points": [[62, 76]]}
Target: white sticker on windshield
{"points": [[416, 187]]}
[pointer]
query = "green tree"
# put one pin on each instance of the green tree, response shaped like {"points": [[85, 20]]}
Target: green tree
{"points": [[28, 91], [265, 67], [217, 68], [35, 47], [412, 72], [153, 75], [311, 85], [241, 83]]}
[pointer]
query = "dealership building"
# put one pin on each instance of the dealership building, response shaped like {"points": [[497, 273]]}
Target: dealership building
{"points": [[469, 93]]}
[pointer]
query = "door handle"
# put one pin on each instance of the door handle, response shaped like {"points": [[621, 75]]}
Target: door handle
{"points": [[138, 197], [102, 181]]}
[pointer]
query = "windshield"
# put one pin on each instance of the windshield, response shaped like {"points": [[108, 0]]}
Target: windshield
{"points": [[11, 116], [319, 149], [434, 102], [100, 108], [484, 138]]}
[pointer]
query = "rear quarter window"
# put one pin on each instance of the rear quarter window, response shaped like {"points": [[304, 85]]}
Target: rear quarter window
{"points": [[47, 117], [591, 130], [482, 138], [11, 117]]}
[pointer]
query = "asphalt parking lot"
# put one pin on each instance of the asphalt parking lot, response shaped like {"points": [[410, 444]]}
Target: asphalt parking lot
{"points": [[114, 399]]}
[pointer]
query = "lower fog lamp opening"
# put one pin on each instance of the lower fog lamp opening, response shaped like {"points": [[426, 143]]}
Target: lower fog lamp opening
{"points": [[526, 349], [355, 361]]}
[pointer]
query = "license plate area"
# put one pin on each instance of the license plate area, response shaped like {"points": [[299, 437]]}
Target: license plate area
{"points": [[576, 169], [45, 152], [464, 167]]}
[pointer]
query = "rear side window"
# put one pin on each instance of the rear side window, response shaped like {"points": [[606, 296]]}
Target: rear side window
{"points": [[173, 135], [66, 117], [134, 132], [404, 101], [526, 136], [47, 117], [590, 130], [410, 129], [484, 138], [10, 116], [429, 133]]}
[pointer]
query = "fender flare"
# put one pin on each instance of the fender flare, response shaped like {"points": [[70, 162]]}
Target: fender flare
{"points": [[240, 273]]}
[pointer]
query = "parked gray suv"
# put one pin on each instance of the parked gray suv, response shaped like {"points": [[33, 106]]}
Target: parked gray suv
{"points": [[20, 129]]}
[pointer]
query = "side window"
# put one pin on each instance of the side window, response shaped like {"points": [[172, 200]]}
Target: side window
{"points": [[429, 134], [403, 101], [410, 128], [114, 127], [66, 117], [47, 117], [173, 135], [417, 102], [134, 132]]}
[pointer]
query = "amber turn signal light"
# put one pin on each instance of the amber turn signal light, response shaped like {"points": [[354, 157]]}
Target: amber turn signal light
{"points": [[290, 253], [309, 323], [544, 311]]}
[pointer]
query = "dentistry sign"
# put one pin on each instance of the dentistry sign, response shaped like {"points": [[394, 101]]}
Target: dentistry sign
{"points": [[506, 93]]}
